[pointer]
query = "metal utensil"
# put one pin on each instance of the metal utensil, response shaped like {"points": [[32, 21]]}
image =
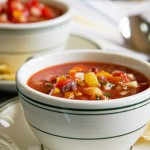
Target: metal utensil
{"points": [[136, 32]]}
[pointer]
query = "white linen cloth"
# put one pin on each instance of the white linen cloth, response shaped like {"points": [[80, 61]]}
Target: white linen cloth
{"points": [[99, 20]]}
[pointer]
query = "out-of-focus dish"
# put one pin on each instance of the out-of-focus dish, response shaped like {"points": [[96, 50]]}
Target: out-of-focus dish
{"points": [[6, 73], [14, 132], [7, 78], [19, 41], [146, 134], [75, 42], [18, 11], [144, 141]]}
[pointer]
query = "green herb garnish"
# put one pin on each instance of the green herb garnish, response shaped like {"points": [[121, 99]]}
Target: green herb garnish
{"points": [[49, 85], [102, 82], [97, 97], [107, 94]]}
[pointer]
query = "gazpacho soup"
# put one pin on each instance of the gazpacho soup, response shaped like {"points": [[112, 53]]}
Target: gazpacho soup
{"points": [[19, 11], [89, 81]]}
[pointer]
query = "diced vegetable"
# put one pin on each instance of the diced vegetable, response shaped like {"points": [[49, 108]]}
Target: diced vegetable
{"points": [[35, 11], [92, 91], [79, 75], [121, 74], [56, 91], [60, 78], [103, 73], [69, 95], [131, 76], [47, 12], [78, 94], [133, 84], [119, 87], [61, 83], [124, 92], [91, 79]]}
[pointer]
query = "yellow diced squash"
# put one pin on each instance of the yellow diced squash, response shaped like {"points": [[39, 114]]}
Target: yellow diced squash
{"points": [[103, 73], [61, 78], [91, 79], [56, 91]]}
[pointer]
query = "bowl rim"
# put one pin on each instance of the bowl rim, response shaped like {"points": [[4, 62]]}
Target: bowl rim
{"points": [[116, 102], [65, 17]]}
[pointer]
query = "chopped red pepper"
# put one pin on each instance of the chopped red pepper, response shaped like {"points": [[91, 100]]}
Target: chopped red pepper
{"points": [[48, 13], [61, 83], [122, 75]]}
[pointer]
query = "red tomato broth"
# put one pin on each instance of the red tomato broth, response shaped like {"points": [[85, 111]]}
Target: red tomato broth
{"points": [[17, 11], [110, 83]]}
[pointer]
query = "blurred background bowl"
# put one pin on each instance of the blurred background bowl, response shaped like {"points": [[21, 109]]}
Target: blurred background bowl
{"points": [[18, 42], [65, 124]]}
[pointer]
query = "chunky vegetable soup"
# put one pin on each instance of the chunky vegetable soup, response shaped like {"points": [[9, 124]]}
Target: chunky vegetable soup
{"points": [[89, 81], [17, 11]]}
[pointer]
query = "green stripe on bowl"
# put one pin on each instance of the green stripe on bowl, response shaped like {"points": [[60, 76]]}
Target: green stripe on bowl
{"points": [[78, 138], [73, 111]]}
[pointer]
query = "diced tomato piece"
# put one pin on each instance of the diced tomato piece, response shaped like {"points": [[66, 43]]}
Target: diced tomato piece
{"points": [[35, 2], [61, 83], [122, 75], [72, 75], [10, 8], [32, 3], [14, 10], [48, 12], [118, 73]]}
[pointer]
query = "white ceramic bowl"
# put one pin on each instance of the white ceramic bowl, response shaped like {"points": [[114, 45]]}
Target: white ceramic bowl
{"points": [[21, 41], [60, 124]]}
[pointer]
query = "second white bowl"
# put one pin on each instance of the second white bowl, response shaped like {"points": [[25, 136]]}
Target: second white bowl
{"points": [[18, 42]]}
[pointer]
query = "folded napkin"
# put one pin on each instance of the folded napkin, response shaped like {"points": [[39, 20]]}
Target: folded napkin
{"points": [[98, 20]]}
